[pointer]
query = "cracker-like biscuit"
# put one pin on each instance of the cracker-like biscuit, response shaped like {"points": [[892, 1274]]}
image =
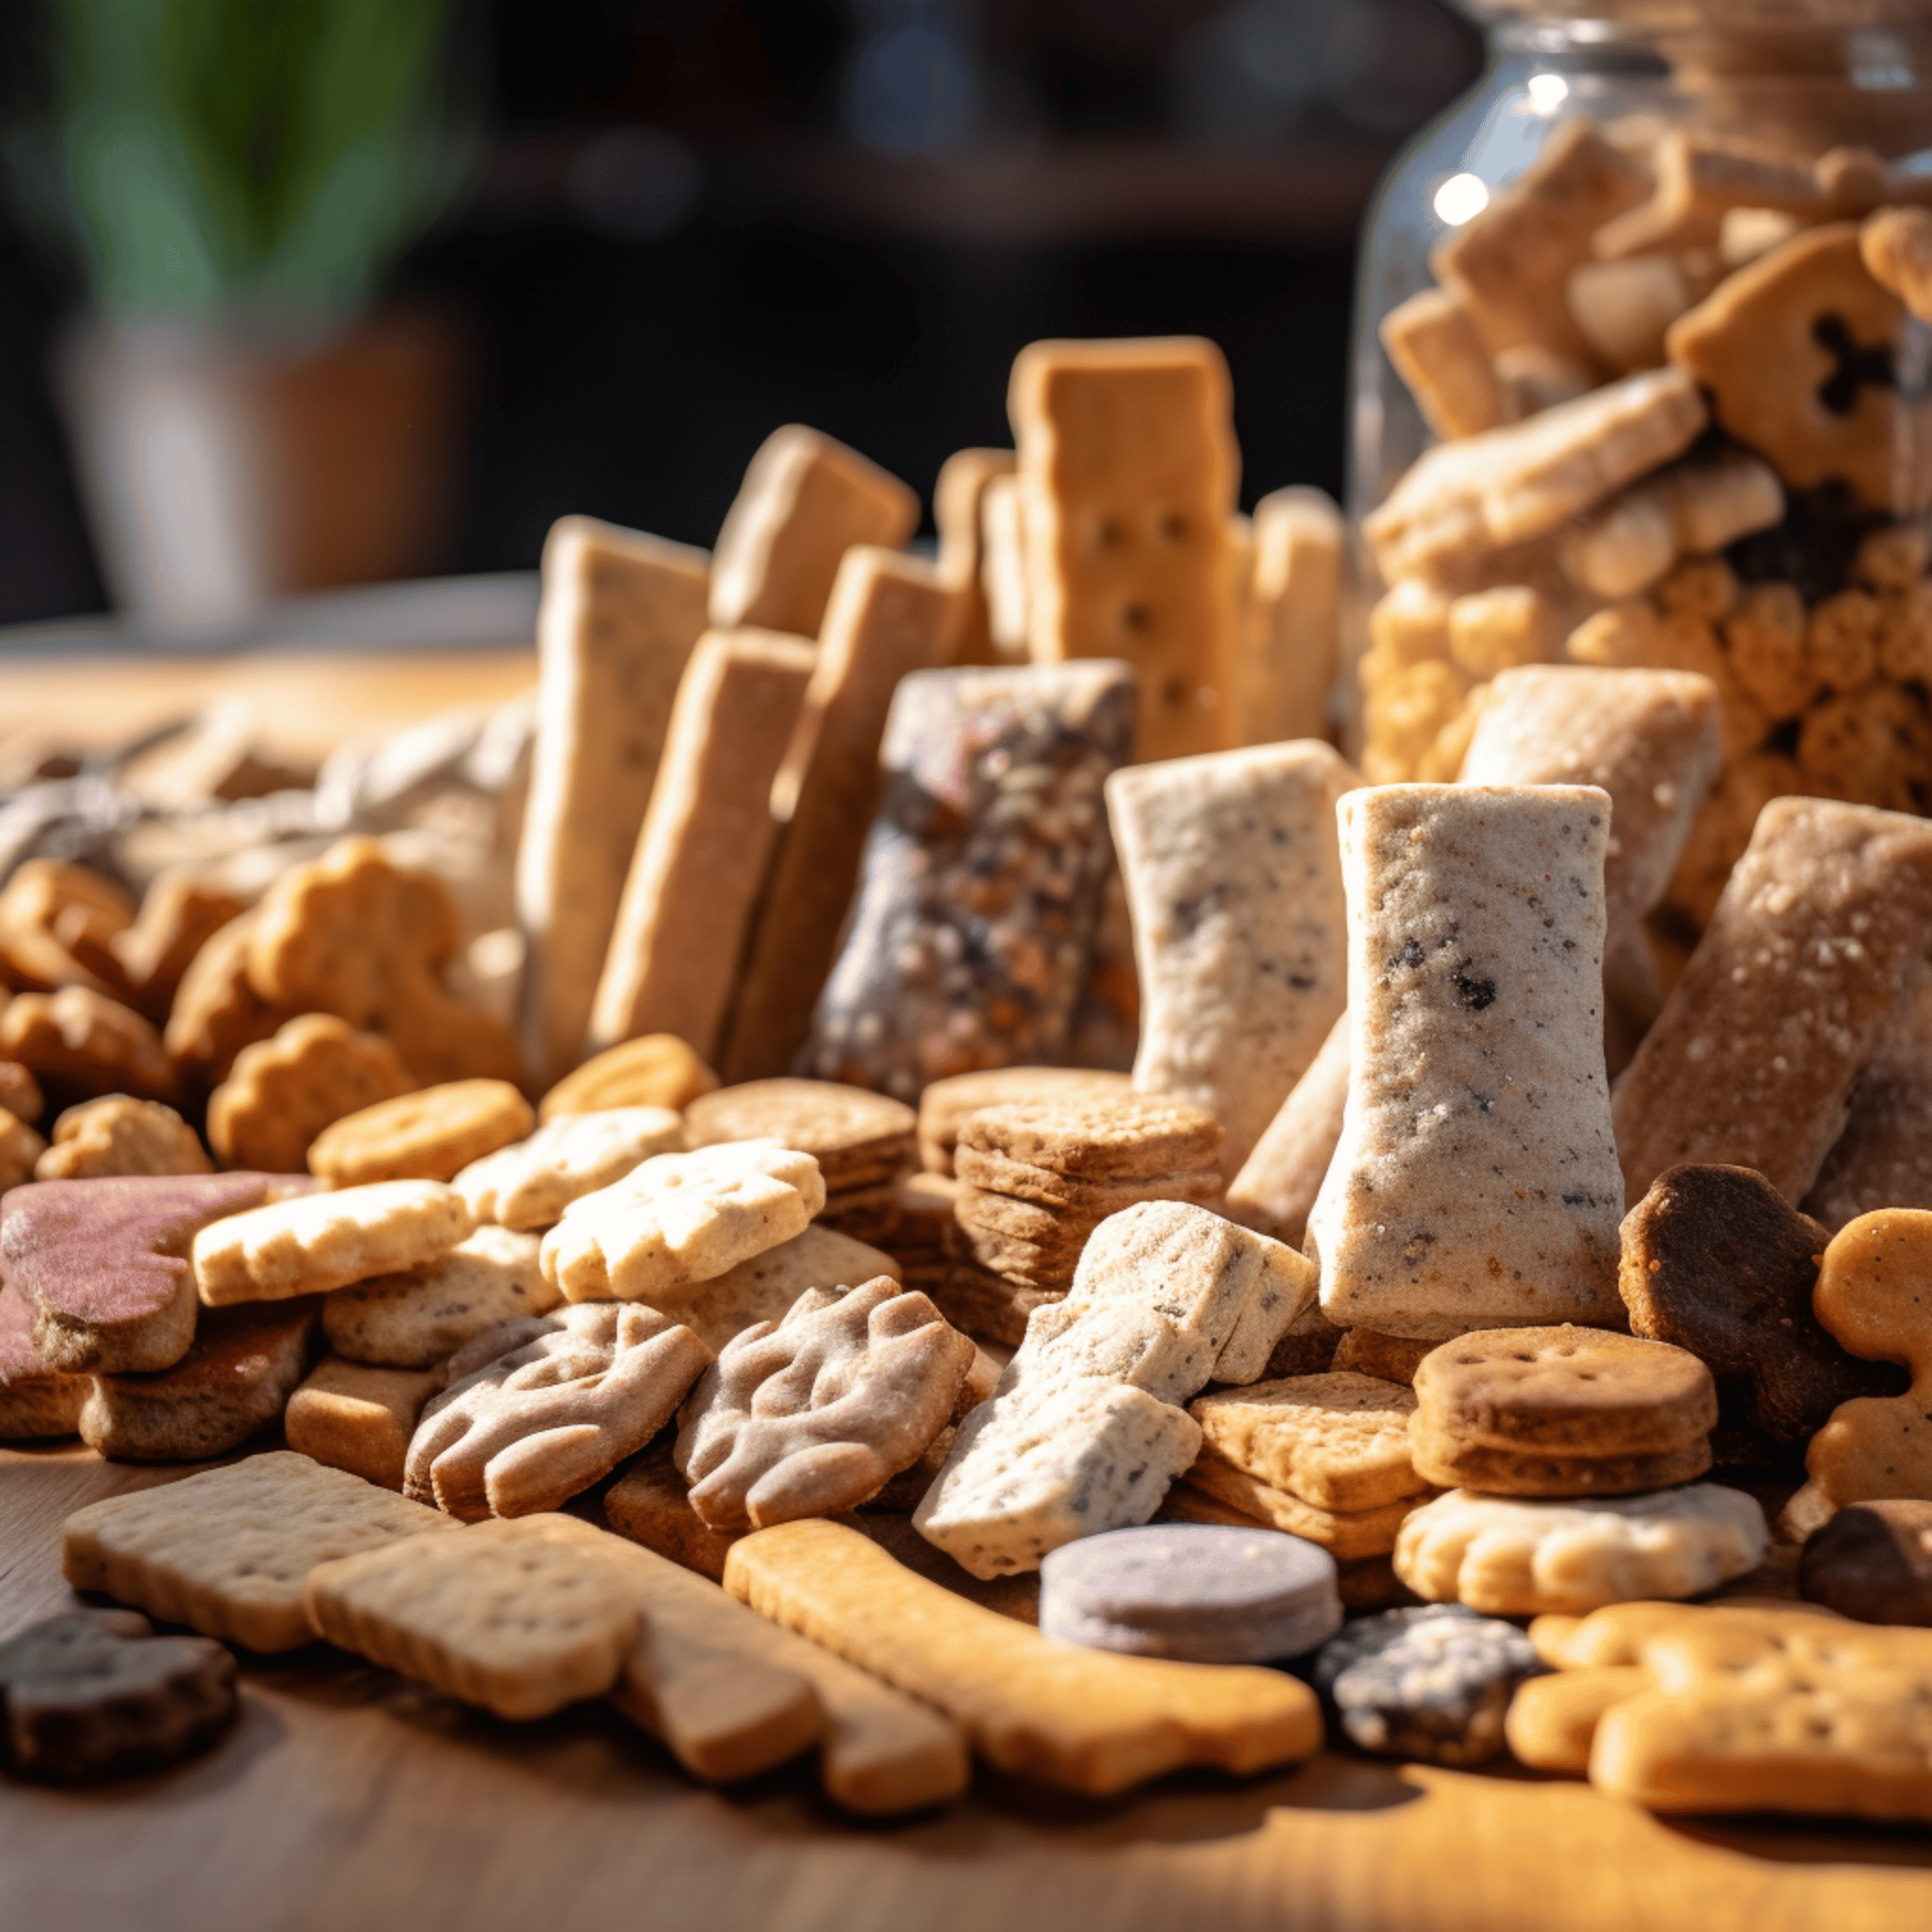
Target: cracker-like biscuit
{"points": [[959, 507], [857, 1137], [692, 891], [282, 1091], [421, 1316], [1389, 1357], [1338, 1441], [227, 1552], [319, 1241], [1453, 1463], [80, 1044], [1289, 637], [1121, 1137], [348, 1415], [945, 1105], [430, 1135], [1348, 1535], [530, 1184], [36, 1398], [656, 1070]]}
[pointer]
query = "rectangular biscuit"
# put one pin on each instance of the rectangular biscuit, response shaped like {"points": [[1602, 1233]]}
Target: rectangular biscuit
{"points": [[958, 500], [348, 1415], [1346, 1534], [1288, 653]]}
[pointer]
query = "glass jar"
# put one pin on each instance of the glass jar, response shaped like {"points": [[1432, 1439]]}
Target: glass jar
{"points": [[1637, 380]]}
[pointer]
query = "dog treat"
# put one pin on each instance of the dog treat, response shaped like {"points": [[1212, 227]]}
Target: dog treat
{"points": [[1002, 577], [1785, 1000], [356, 935], [91, 1694], [680, 1218], [765, 1286], [1290, 632], [1235, 880], [537, 1411], [708, 833], [620, 616], [1084, 1431], [521, 1618], [431, 1135], [1347, 1535], [234, 1380], [36, 1398], [351, 1416], [1278, 1181], [650, 1502], [1873, 1562], [805, 501], [923, 1209], [80, 1044], [1433, 1683], [1438, 351], [282, 1091], [1718, 1262], [103, 1264], [119, 1136], [1128, 474], [1082, 1720], [657, 1070], [1551, 1720], [530, 1184], [1895, 246], [987, 1305], [19, 1093], [959, 502], [1338, 1441], [1198, 1592], [1513, 1557], [179, 913], [1872, 1292], [1884, 1157], [818, 1413], [217, 1011], [315, 1243], [227, 1552], [973, 933], [56, 924], [889, 616], [945, 1105], [1476, 1183], [861, 1141], [421, 1316], [1126, 1137]]}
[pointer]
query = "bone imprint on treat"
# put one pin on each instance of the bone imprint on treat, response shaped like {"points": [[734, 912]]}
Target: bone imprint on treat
{"points": [[1475, 1181], [620, 615], [971, 937], [1234, 875]]}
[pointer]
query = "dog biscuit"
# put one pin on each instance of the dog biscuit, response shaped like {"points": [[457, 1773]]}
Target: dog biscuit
{"points": [[1348, 1535], [960, 496], [216, 1010], [282, 1091], [1290, 632], [179, 913], [1338, 1441], [1873, 1562], [36, 1398], [1551, 1720], [1895, 246], [656, 1070], [1440, 354], [80, 1044], [529, 1184], [430, 1135], [421, 1316], [350, 1416], [120, 1136]]}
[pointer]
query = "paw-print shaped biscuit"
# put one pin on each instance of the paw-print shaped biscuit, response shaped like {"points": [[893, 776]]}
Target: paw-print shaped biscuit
{"points": [[537, 1410], [354, 934], [819, 1412], [80, 1044], [119, 1135], [284, 1090]]}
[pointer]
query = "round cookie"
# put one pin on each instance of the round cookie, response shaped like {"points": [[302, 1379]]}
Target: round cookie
{"points": [[655, 1070], [1200, 1593], [858, 1137], [1126, 1137], [427, 1136], [1453, 1465], [1873, 1562]]}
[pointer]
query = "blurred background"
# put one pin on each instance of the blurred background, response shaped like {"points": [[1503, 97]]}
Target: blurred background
{"points": [[297, 293]]}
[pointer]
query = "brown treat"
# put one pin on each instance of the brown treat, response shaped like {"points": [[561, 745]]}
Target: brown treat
{"points": [[117, 1135], [1306, 1348], [650, 1502], [1894, 558], [1439, 352], [216, 1011], [1905, 633], [1786, 1002], [82, 1044], [178, 916], [1338, 1441], [1388, 1357], [1895, 246], [1873, 1562], [924, 1203], [805, 501], [1362, 1583], [1564, 1392], [1448, 1463], [1022, 1263], [959, 501], [988, 1306], [692, 892], [538, 1410], [1129, 1136], [1867, 746], [991, 1173], [36, 1398], [857, 1137], [869, 1214], [1128, 474], [1346, 1534], [1884, 1157], [55, 924], [1063, 1227], [945, 1105], [89, 1694], [353, 934], [103, 1264], [889, 615], [817, 1415], [1699, 177], [1279, 1180], [21, 1149], [1717, 1262], [657, 1070], [349, 1416], [764, 1287], [1765, 634], [234, 1380], [282, 1091], [19, 1093], [1770, 344], [430, 1135], [1723, 830]]}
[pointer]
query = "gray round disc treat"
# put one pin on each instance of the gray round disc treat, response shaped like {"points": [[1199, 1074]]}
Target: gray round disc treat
{"points": [[1201, 1592]]}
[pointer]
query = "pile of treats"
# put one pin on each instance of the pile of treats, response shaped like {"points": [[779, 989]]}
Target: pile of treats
{"points": [[972, 1212]]}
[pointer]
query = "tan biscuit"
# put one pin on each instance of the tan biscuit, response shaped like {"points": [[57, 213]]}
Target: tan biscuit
{"points": [[422, 1316], [707, 837], [1124, 1137], [558, 1404], [1026, 1264], [1895, 246], [805, 501], [945, 1105], [650, 1502], [316, 1243], [657, 1070], [56, 922], [282, 1091], [116, 1135], [1363, 1583], [1277, 1183], [354, 934], [1235, 880], [1624, 308], [818, 1413], [227, 1552], [521, 1618], [1289, 637], [1003, 574], [1339, 1441], [987, 1305], [1502, 628], [349, 1416], [1699, 177], [959, 504], [530, 1184], [855, 1136], [1452, 1463], [1087, 1720], [1884, 1157], [764, 1287], [1475, 1181], [36, 1398], [680, 1219], [1128, 474], [82, 1044], [179, 914], [1075, 1208], [1552, 1721], [1391, 1357], [19, 1093], [216, 1010], [1348, 1535], [1440, 352], [889, 615], [620, 615], [430, 1135]]}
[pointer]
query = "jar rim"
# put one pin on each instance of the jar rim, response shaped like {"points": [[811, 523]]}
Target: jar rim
{"points": [[1612, 19]]}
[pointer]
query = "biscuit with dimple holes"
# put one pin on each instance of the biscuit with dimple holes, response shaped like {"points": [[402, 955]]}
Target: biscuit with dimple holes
{"points": [[319, 1241], [80, 1042], [227, 1552], [351, 1416], [657, 1070], [430, 1135], [1338, 1441], [36, 1398], [282, 1091], [521, 1618], [945, 1105], [421, 1316], [120, 1136], [529, 1185]]}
